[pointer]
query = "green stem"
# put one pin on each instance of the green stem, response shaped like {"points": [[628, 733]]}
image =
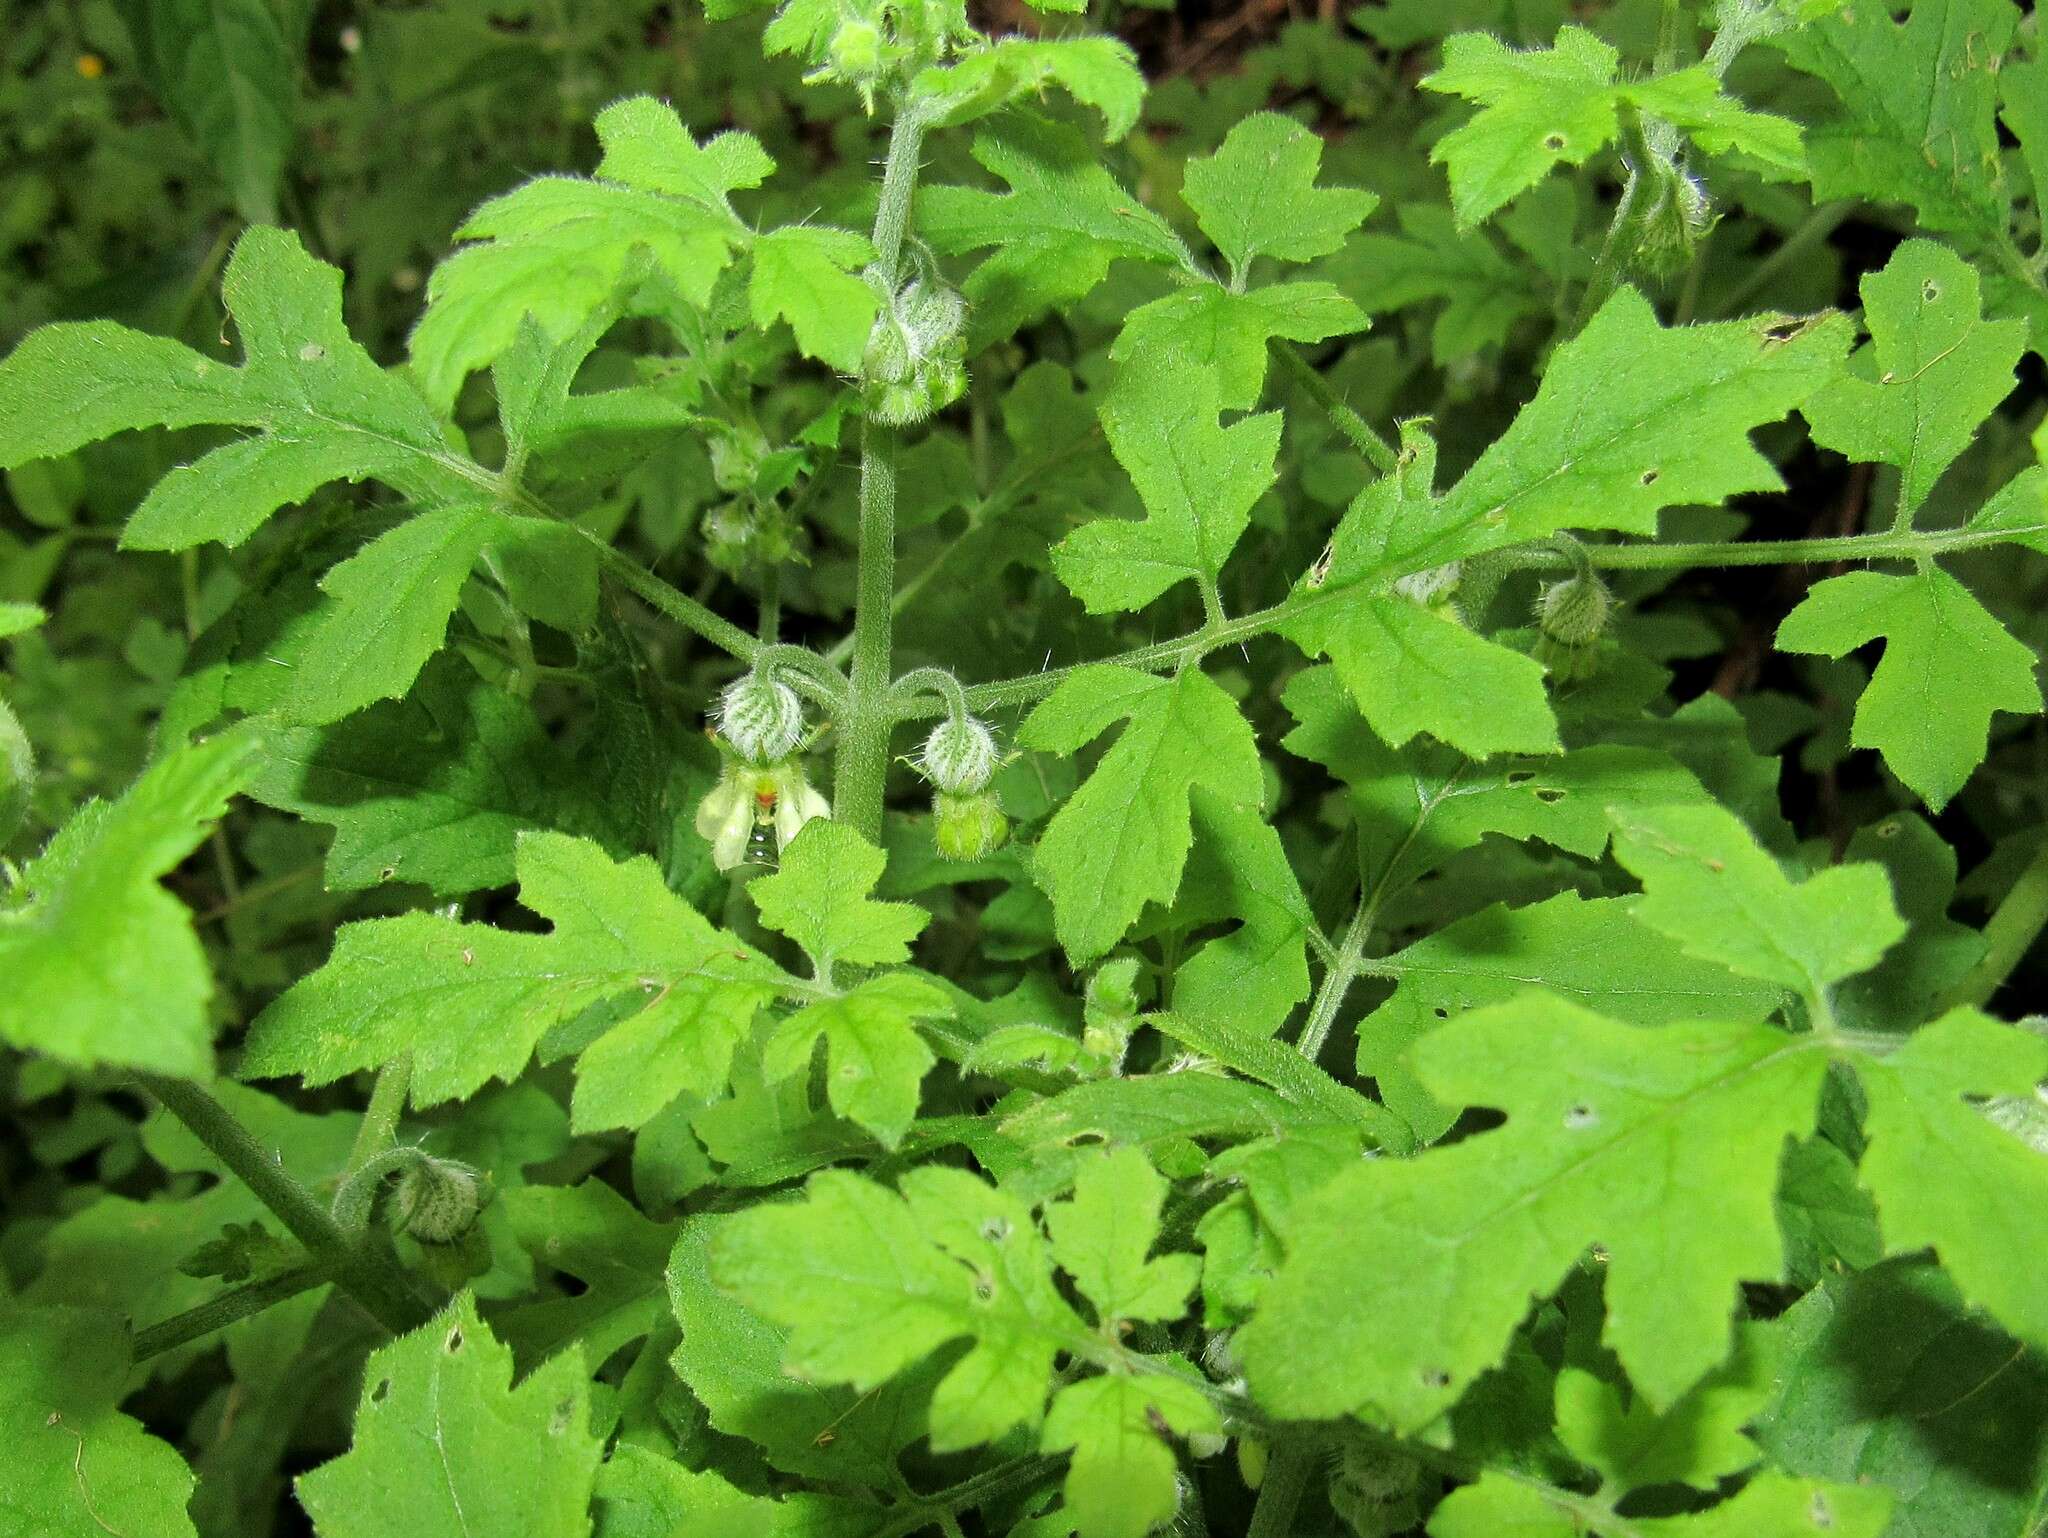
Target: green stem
{"points": [[217, 1313], [861, 764], [1380, 453], [384, 1292], [678, 606], [1337, 981], [1165, 656], [1287, 1476], [2014, 926], [1631, 216], [1003, 1480], [937, 683], [378, 1129]]}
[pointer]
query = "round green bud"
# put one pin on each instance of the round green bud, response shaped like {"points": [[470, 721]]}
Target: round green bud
{"points": [[437, 1200], [761, 717], [959, 756], [1574, 612], [969, 827], [855, 52]]}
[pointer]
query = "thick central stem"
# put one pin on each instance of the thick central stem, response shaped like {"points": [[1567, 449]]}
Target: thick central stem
{"points": [[861, 766]]}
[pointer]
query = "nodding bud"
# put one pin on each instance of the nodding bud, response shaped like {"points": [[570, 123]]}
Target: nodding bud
{"points": [[969, 827], [959, 756], [1574, 612], [437, 1200], [761, 717]]}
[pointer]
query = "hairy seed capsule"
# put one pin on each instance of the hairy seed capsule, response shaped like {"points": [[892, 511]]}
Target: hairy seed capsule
{"points": [[761, 717], [969, 827]]}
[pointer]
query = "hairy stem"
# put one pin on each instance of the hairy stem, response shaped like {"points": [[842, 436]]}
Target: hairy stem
{"points": [[230, 1307], [2013, 928], [1165, 656], [861, 764], [378, 1129], [384, 1292], [1378, 452], [1005, 1479], [1631, 221], [1287, 1476], [1337, 980]]}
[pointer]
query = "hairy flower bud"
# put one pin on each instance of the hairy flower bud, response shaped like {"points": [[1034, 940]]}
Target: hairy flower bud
{"points": [[969, 827], [959, 756], [761, 718], [1574, 612], [437, 1200], [916, 357]]}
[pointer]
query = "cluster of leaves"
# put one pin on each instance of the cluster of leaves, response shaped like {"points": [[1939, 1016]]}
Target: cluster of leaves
{"points": [[1455, 1008]]}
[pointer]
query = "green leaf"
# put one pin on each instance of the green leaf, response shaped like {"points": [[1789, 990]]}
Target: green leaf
{"points": [[131, 1256], [731, 1358], [1699, 1441], [877, 1059], [1888, 1379], [617, 1256], [434, 789], [388, 611], [76, 1466], [1931, 147], [470, 1001], [1253, 976], [1122, 1481], [20, 618], [504, 1459], [1538, 108], [807, 275], [1948, 667], [1098, 72], [1413, 666], [1633, 417], [1709, 886], [1121, 840], [1198, 481], [321, 409], [1256, 196], [1946, 1176], [1102, 1238], [1061, 224], [869, 1283], [102, 964], [1485, 293], [1415, 807], [561, 247], [1499, 1506], [1223, 334], [1661, 1145], [227, 71], [1934, 370], [1591, 952], [819, 898]]}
